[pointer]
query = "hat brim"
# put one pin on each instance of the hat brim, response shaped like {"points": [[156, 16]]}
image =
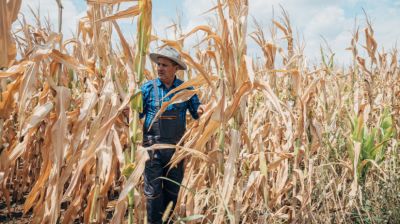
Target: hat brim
{"points": [[154, 57]]}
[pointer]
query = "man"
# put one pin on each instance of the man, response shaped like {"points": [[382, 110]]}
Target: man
{"points": [[169, 129]]}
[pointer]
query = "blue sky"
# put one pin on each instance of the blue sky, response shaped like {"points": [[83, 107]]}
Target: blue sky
{"points": [[311, 19]]}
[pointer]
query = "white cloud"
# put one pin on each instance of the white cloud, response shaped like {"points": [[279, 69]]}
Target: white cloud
{"points": [[328, 21], [194, 11], [334, 20], [195, 8], [330, 24], [314, 19], [49, 8], [311, 19]]}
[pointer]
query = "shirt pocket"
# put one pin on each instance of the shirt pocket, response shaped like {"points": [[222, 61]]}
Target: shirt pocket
{"points": [[169, 125]]}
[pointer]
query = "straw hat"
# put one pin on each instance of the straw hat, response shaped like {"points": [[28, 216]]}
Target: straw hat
{"points": [[170, 53]]}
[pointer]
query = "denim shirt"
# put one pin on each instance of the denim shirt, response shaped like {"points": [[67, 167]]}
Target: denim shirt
{"points": [[149, 101]]}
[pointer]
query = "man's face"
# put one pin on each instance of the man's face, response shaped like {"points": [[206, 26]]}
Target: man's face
{"points": [[166, 70]]}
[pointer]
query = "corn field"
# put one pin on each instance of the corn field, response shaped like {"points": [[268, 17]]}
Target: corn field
{"points": [[281, 140]]}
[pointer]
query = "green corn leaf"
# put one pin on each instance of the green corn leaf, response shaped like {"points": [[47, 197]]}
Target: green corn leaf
{"points": [[386, 123], [331, 61], [368, 145], [128, 169], [358, 131], [137, 102]]}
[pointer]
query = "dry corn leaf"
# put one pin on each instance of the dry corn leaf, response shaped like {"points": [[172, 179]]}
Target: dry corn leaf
{"points": [[119, 213], [210, 127], [142, 156], [195, 82], [8, 14], [14, 70], [118, 150], [204, 28], [7, 98], [229, 176], [179, 97], [262, 160], [250, 70], [9, 156], [92, 149], [124, 43], [30, 200], [197, 66], [58, 149], [68, 61], [26, 92], [38, 114], [129, 12], [89, 101], [242, 91]]}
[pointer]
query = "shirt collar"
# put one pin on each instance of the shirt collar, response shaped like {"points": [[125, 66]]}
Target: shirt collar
{"points": [[159, 83], [174, 84]]}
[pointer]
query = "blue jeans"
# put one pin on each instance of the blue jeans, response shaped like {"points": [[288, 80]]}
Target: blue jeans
{"points": [[160, 192]]}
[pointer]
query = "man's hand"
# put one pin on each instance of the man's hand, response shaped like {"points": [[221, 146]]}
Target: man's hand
{"points": [[200, 110], [195, 123]]}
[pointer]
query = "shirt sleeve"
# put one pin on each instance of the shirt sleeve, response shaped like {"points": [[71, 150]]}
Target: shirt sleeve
{"points": [[193, 105]]}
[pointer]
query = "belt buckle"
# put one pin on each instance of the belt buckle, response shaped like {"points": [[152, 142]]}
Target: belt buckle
{"points": [[151, 139]]}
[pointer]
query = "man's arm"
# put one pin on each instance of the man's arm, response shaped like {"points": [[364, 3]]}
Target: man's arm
{"points": [[195, 108]]}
